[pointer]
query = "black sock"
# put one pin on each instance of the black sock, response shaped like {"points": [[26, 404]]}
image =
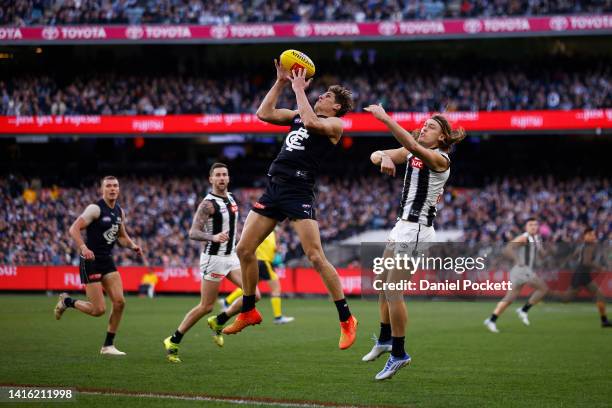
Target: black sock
{"points": [[397, 347], [493, 318], [176, 337], [248, 303], [526, 307], [604, 319], [109, 339], [343, 310], [69, 302], [222, 318], [385, 332]]}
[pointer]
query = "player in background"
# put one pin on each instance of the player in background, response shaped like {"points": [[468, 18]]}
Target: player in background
{"points": [[214, 224], [266, 255], [525, 251], [290, 192], [104, 223], [589, 260], [426, 153]]}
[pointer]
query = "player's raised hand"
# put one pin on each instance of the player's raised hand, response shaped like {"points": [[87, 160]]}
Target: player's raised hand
{"points": [[377, 110], [282, 75], [221, 237], [298, 79], [387, 166]]}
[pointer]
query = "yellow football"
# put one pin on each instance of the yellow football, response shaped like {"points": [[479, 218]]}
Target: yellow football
{"points": [[293, 59]]}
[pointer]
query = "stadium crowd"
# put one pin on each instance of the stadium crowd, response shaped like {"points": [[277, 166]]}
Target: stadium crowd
{"points": [[34, 220], [71, 12], [471, 88]]}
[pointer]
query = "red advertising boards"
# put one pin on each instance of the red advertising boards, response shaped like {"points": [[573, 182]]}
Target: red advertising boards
{"points": [[315, 31], [248, 123]]}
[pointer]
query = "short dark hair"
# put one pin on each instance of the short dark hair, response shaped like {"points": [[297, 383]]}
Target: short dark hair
{"points": [[588, 230], [216, 166], [531, 219], [109, 177], [344, 97]]}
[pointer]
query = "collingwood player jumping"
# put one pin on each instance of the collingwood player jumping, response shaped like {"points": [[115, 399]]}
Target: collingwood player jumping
{"points": [[525, 250], [104, 223], [215, 224], [290, 191], [426, 153]]}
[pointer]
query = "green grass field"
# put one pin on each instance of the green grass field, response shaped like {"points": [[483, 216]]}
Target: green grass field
{"points": [[563, 359]]}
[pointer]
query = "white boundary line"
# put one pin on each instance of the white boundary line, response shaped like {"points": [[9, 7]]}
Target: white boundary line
{"points": [[228, 400]]}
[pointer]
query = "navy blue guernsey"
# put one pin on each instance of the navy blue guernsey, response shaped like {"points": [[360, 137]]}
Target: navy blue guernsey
{"points": [[102, 233], [299, 160]]}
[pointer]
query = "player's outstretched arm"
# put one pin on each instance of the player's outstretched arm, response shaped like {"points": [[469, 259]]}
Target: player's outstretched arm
{"points": [[125, 240], [197, 232], [267, 111], [91, 213], [330, 127], [432, 159], [387, 159]]}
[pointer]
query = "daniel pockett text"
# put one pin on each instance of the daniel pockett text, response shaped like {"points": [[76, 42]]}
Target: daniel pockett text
{"points": [[394, 273]]}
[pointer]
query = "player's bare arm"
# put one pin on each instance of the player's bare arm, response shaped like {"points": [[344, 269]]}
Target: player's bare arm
{"points": [[91, 213], [510, 250], [267, 111], [197, 232], [330, 127], [387, 159], [125, 240], [431, 158]]}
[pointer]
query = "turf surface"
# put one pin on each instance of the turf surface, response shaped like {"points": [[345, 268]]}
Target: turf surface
{"points": [[563, 359]]}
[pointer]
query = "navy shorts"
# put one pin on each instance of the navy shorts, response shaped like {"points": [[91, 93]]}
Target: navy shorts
{"points": [[93, 270], [281, 201]]}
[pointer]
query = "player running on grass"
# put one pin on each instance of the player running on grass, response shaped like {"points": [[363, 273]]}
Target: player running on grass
{"points": [[215, 224], [104, 222], [290, 192], [525, 250], [426, 154]]}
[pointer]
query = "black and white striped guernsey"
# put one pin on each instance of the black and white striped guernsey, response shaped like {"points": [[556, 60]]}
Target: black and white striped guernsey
{"points": [[423, 188], [528, 253], [225, 218]]}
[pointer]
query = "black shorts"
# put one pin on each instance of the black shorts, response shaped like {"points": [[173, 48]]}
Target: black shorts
{"points": [[92, 271], [266, 271], [582, 277], [281, 201]]}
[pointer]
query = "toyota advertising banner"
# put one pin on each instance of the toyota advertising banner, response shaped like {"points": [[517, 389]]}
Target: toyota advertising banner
{"points": [[248, 123], [387, 30]]}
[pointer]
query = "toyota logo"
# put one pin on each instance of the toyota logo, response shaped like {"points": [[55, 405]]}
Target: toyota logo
{"points": [[134, 32], [472, 26], [302, 30], [559, 23], [50, 33], [219, 31], [387, 28]]}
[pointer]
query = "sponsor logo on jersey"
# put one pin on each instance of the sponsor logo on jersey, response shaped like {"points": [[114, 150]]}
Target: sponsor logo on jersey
{"points": [[95, 276], [416, 163], [106, 219], [234, 208], [259, 205]]}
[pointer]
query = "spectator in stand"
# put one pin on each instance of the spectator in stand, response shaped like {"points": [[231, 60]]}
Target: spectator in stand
{"points": [[471, 88], [59, 12], [161, 210]]}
